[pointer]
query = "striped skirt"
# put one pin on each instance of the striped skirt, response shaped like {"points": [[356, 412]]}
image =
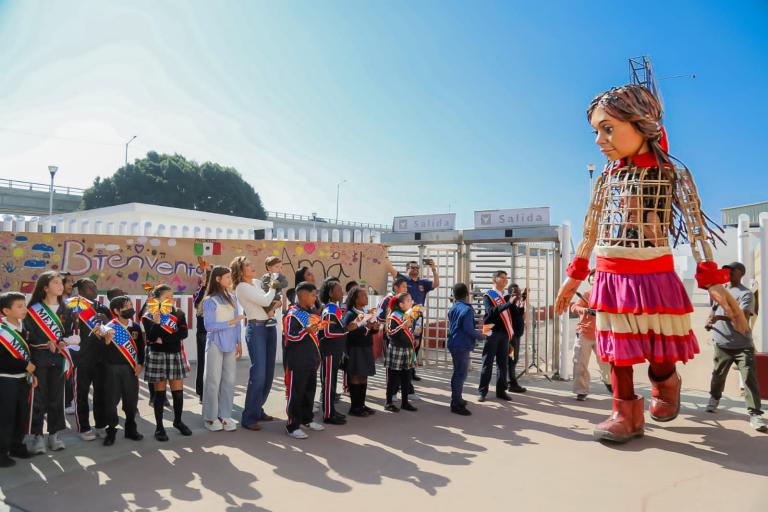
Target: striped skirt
{"points": [[643, 311]]}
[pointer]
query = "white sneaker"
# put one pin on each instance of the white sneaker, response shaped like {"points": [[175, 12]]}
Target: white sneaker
{"points": [[414, 396], [298, 434], [712, 405], [317, 427], [69, 410], [757, 422], [88, 436], [54, 443], [36, 445], [230, 425], [101, 433], [214, 426]]}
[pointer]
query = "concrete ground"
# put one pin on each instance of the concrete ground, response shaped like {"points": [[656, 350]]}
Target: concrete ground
{"points": [[535, 453]]}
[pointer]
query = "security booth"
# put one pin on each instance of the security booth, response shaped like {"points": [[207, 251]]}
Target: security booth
{"points": [[532, 258]]}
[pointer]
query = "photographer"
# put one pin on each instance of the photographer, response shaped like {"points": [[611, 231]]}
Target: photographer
{"points": [[585, 345], [418, 289]]}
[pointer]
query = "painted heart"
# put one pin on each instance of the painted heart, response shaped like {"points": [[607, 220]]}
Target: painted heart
{"points": [[310, 247], [133, 276], [138, 248]]}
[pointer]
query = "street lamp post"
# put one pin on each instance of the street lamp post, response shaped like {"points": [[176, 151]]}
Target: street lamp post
{"points": [[51, 169], [126, 148], [338, 188]]}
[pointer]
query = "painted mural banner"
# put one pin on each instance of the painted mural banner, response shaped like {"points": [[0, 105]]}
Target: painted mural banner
{"points": [[126, 262]]}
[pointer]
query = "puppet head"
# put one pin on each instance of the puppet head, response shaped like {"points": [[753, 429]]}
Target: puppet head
{"points": [[627, 122]]}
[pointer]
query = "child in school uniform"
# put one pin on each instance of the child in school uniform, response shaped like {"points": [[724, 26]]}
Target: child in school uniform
{"points": [[49, 325], [400, 356], [16, 377], [302, 357], [333, 342], [165, 361], [124, 360]]}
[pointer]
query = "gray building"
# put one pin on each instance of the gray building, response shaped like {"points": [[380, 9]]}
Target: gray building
{"points": [[730, 215]]}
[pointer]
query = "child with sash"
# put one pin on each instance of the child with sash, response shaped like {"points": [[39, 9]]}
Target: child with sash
{"points": [[16, 376], [89, 365], [123, 359], [302, 357], [166, 329], [497, 343], [400, 355], [333, 345], [49, 325]]}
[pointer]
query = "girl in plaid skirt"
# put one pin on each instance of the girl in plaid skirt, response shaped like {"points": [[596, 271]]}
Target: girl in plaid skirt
{"points": [[165, 360], [400, 355]]}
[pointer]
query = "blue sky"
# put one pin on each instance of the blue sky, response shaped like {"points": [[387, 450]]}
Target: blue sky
{"points": [[420, 105]]}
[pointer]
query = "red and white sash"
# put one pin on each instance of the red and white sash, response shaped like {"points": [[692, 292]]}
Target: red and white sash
{"points": [[506, 316]]}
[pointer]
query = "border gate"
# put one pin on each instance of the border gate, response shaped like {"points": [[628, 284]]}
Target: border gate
{"points": [[530, 256]]}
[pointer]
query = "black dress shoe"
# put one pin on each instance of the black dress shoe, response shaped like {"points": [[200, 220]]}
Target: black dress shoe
{"points": [[110, 439], [160, 435], [391, 408], [335, 421], [461, 411], [415, 377], [370, 411], [182, 428], [516, 388], [20, 453], [504, 396], [339, 415], [6, 461], [360, 413], [134, 436], [408, 407]]}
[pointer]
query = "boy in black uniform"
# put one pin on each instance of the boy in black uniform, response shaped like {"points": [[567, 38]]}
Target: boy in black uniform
{"points": [[89, 369], [302, 357], [123, 359], [16, 375]]}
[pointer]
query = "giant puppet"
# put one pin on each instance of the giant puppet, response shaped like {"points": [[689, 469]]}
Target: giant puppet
{"points": [[641, 205]]}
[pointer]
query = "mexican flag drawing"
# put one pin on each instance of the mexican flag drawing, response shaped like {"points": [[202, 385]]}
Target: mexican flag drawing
{"points": [[207, 248]]}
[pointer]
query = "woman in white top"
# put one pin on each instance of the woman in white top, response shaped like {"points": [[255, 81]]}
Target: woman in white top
{"points": [[260, 338]]}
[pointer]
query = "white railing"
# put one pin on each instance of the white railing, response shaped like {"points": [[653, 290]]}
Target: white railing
{"points": [[23, 224], [40, 187]]}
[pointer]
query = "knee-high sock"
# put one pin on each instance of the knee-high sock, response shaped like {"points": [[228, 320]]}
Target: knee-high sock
{"points": [[178, 405], [363, 392], [159, 406]]}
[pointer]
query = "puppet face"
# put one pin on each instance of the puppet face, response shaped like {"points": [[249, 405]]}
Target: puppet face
{"points": [[617, 139]]}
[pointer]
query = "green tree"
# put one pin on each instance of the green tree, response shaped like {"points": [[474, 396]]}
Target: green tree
{"points": [[172, 180]]}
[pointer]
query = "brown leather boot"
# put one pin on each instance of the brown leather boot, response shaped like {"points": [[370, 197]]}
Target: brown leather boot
{"points": [[665, 397], [626, 421]]}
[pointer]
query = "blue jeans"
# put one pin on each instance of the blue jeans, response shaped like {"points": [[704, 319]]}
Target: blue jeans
{"points": [[460, 370], [262, 344]]}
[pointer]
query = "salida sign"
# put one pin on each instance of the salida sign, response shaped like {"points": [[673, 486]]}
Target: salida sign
{"points": [[416, 223], [520, 217]]}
